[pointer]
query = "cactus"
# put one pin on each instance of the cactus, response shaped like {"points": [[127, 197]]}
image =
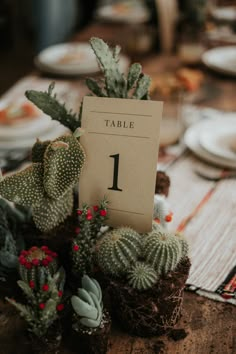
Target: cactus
{"points": [[49, 104], [184, 244], [116, 85], [88, 305], [163, 251], [11, 241], [47, 185], [36, 265], [118, 250], [42, 305], [83, 245], [142, 276], [161, 212]]}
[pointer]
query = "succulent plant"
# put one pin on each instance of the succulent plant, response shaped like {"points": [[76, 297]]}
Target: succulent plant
{"points": [[11, 241], [88, 305], [135, 86], [50, 105], [47, 186], [142, 276], [36, 265], [42, 305], [118, 250], [184, 244], [83, 245], [163, 251]]}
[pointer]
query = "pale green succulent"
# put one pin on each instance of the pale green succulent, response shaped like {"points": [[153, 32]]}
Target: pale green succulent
{"points": [[88, 305]]}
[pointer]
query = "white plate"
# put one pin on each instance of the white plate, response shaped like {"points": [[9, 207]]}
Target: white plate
{"points": [[191, 139], [224, 13], [220, 139], [221, 59], [56, 129], [126, 12], [71, 59]]}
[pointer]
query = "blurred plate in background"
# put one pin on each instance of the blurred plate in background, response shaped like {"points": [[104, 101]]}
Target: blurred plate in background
{"points": [[221, 59], [71, 59]]}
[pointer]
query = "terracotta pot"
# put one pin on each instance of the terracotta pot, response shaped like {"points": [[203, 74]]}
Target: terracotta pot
{"points": [[91, 340], [154, 311]]}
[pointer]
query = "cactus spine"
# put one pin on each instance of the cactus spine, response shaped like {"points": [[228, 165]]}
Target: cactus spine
{"points": [[142, 276], [163, 251], [88, 305], [118, 250]]}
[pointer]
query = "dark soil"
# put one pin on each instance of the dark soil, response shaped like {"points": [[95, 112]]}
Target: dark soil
{"points": [[177, 334], [154, 311]]}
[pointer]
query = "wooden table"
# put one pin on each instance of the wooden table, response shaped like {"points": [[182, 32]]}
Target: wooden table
{"points": [[206, 326]]}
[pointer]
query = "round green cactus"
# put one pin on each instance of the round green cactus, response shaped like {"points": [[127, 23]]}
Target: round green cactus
{"points": [[163, 251], [184, 244], [142, 276], [36, 264], [118, 250]]}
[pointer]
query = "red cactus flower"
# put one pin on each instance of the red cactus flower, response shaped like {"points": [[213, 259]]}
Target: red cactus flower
{"points": [[28, 265], [22, 260], [60, 307], [44, 262], [31, 284], [89, 217], [45, 287], [35, 262], [168, 218], [103, 212], [34, 248], [49, 259], [79, 212], [60, 293], [41, 306], [54, 254], [24, 253], [77, 230], [75, 248], [95, 207], [44, 248]]}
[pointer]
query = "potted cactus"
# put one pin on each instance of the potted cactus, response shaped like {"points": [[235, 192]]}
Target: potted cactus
{"points": [[42, 283], [91, 323], [147, 276]]}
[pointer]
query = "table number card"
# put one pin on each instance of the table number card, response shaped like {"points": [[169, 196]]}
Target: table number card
{"points": [[121, 141]]}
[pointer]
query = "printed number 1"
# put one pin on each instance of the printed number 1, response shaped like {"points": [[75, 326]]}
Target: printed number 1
{"points": [[115, 173]]}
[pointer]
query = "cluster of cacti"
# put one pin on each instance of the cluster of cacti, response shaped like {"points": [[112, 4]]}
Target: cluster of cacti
{"points": [[11, 242], [90, 221], [36, 264], [47, 184], [142, 276], [118, 250], [163, 251], [115, 84], [88, 305], [42, 305]]}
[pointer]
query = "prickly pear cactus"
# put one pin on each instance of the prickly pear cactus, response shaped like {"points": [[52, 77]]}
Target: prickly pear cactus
{"points": [[135, 86], [47, 186], [163, 251], [142, 276], [118, 250], [88, 305]]}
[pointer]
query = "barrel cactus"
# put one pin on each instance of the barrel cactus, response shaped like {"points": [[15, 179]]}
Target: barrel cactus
{"points": [[184, 244], [88, 305], [142, 276], [118, 250], [36, 265], [163, 251]]}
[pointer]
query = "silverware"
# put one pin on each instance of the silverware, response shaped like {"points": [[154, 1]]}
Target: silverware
{"points": [[216, 176]]}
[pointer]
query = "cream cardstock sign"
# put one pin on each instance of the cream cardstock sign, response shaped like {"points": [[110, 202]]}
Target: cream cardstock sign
{"points": [[121, 142]]}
